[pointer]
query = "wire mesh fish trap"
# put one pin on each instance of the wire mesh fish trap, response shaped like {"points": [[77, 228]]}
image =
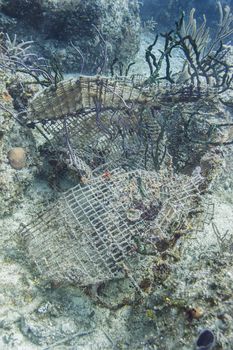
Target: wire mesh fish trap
{"points": [[104, 227], [76, 94], [97, 141], [109, 124], [98, 123], [96, 232]]}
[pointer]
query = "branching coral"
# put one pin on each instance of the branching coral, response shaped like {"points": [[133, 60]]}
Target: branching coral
{"points": [[204, 59], [18, 57]]}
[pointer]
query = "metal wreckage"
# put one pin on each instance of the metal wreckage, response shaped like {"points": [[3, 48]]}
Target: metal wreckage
{"points": [[144, 150]]}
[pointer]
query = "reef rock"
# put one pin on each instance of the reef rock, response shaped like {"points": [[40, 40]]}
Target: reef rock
{"points": [[84, 36], [13, 183]]}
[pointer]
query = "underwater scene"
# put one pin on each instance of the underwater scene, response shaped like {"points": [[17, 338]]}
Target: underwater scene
{"points": [[116, 175]]}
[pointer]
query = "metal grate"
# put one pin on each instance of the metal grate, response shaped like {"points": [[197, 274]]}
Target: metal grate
{"points": [[92, 232], [112, 133]]}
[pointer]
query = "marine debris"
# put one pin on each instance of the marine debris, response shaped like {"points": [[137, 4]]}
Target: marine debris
{"points": [[100, 230], [129, 203], [144, 151]]}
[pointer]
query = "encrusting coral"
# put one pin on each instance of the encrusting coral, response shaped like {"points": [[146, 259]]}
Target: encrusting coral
{"points": [[17, 157]]}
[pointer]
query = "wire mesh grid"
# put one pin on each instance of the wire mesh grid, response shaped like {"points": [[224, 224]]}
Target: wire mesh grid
{"points": [[98, 229], [101, 123], [76, 94], [106, 139], [90, 234]]}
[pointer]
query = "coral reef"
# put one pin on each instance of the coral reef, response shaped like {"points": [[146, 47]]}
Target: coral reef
{"points": [[13, 182], [83, 128], [81, 34]]}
